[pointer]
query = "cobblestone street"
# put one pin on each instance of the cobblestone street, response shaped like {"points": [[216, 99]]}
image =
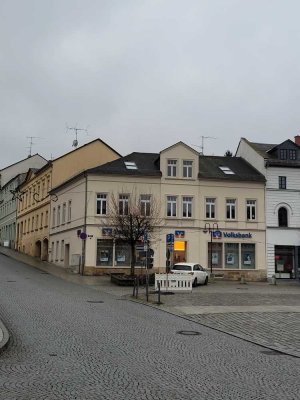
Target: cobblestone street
{"points": [[71, 341]]}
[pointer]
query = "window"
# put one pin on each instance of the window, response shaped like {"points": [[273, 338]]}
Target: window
{"points": [[101, 204], [232, 255], [215, 260], [226, 170], [172, 168], [37, 223], [282, 217], [58, 215], [251, 210], [282, 182], [130, 165], [230, 208], [248, 256], [187, 207], [187, 171], [64, 210], [122, 254], [52, 252], [283, 154], [53, 217], [145, 204], [56, 251], [32, 224], [62, 250], [42, 217], [171, 206], [69, 210], [104, 252], [292, 154], [210, 208], [46, 219], [123, 204]]}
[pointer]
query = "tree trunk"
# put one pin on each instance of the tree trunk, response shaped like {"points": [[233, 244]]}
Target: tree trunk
{"points": [[133, 259]]}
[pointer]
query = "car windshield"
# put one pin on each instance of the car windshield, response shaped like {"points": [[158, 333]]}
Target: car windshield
{"points": [[179, 267]]}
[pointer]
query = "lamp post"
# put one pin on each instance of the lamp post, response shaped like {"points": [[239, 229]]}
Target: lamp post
{"points": [[210, 228]]}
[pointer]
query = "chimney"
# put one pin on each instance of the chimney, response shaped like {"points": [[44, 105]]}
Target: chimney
{"points": [[297, 140]]}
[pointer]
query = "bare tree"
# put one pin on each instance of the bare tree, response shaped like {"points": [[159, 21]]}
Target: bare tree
{"points": [[132, 220], [228, 153]]}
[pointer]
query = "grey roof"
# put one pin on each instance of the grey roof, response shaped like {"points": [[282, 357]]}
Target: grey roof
{"points": [[147, 165], [209, 168], [262, 148]]}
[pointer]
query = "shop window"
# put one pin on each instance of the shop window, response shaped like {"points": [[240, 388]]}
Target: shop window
{"points": [[122, 254], [232, 255], [282, 217], [104, 252], [248, 255], [216, 260]]}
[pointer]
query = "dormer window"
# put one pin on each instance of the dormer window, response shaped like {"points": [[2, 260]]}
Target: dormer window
{"points": [[285, 154], [130, 165], [171, 172], [187, 171]]}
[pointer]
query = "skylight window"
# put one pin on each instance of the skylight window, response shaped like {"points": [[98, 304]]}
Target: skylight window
{"points": [[130, 165], [227, 170]]}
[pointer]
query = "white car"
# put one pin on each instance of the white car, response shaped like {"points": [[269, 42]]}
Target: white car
{"points": [[200, 275]]}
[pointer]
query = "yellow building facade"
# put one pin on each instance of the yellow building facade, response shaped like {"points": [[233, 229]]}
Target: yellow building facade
{"points": [[34, 202]]}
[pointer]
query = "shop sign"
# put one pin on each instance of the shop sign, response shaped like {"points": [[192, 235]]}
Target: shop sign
{"points": [[237, 235], [179, 234], [170, 238], [107, 231]]}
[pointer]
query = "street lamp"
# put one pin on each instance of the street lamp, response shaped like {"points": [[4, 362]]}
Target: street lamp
{"points": [[210, 228]]}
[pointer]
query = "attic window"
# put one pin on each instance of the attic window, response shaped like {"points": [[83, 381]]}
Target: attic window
{"points": [[226, 170], [130, 165]]}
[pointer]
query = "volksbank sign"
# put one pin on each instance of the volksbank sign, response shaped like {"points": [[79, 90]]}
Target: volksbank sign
{"points": [[233, 235]]}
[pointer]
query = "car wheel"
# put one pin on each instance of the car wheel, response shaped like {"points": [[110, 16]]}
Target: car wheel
{"points": [[195, 282], [206, 281]]}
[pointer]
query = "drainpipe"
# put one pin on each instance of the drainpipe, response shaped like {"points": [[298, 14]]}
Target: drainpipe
{"points": [[84, 227]]}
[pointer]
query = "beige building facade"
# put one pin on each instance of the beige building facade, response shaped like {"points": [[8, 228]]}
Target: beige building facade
{"points": [[34, 202], [212, 212]]}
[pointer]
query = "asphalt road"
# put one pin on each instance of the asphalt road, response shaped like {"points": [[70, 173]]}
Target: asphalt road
{"points": [[73, 342]]}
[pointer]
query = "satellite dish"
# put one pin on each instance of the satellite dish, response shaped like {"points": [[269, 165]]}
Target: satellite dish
{"points": [[75, 143]]}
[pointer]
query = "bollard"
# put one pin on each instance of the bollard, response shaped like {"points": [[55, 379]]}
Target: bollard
{"points": [[137, 287], [273, 280], [133, 293], [158, 286]]}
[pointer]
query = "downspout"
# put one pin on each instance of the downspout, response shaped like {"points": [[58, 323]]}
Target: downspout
{"points": [[84, 227]]}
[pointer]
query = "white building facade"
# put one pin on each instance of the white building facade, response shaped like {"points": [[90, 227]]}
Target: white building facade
{"points": [[280, 164]]}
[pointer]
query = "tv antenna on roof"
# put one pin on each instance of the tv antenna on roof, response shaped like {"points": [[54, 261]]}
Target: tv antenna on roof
{"points": [[31, 143], [76, 130], [202, 143]]}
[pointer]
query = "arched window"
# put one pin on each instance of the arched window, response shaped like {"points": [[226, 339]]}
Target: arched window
{"points": [[282, 217]]}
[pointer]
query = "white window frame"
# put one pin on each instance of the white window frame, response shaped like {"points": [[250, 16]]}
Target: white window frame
{"points": [[123, 204], [210, 208], [251, 204], [172, 206], [101, 201], [231, 208], [172, 168], [187, 168], [187, 207], [145, 204]]}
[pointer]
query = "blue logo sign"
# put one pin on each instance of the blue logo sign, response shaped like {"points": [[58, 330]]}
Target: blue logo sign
{"points": [[179, 234]]}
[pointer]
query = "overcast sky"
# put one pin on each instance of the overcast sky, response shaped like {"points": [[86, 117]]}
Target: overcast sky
{"points": [[145, 74]]}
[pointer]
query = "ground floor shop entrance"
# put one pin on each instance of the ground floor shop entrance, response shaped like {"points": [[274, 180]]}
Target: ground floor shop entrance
{"points": [[287, 262]]}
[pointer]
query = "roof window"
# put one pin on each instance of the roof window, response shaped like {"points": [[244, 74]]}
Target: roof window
{"points": [[226, 170], [130, 165]]}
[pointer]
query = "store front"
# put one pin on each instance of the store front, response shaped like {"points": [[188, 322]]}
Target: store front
{"points": [[286, 262]]}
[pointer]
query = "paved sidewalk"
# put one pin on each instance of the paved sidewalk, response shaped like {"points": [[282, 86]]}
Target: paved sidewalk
{"points": [[268, 315]]}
